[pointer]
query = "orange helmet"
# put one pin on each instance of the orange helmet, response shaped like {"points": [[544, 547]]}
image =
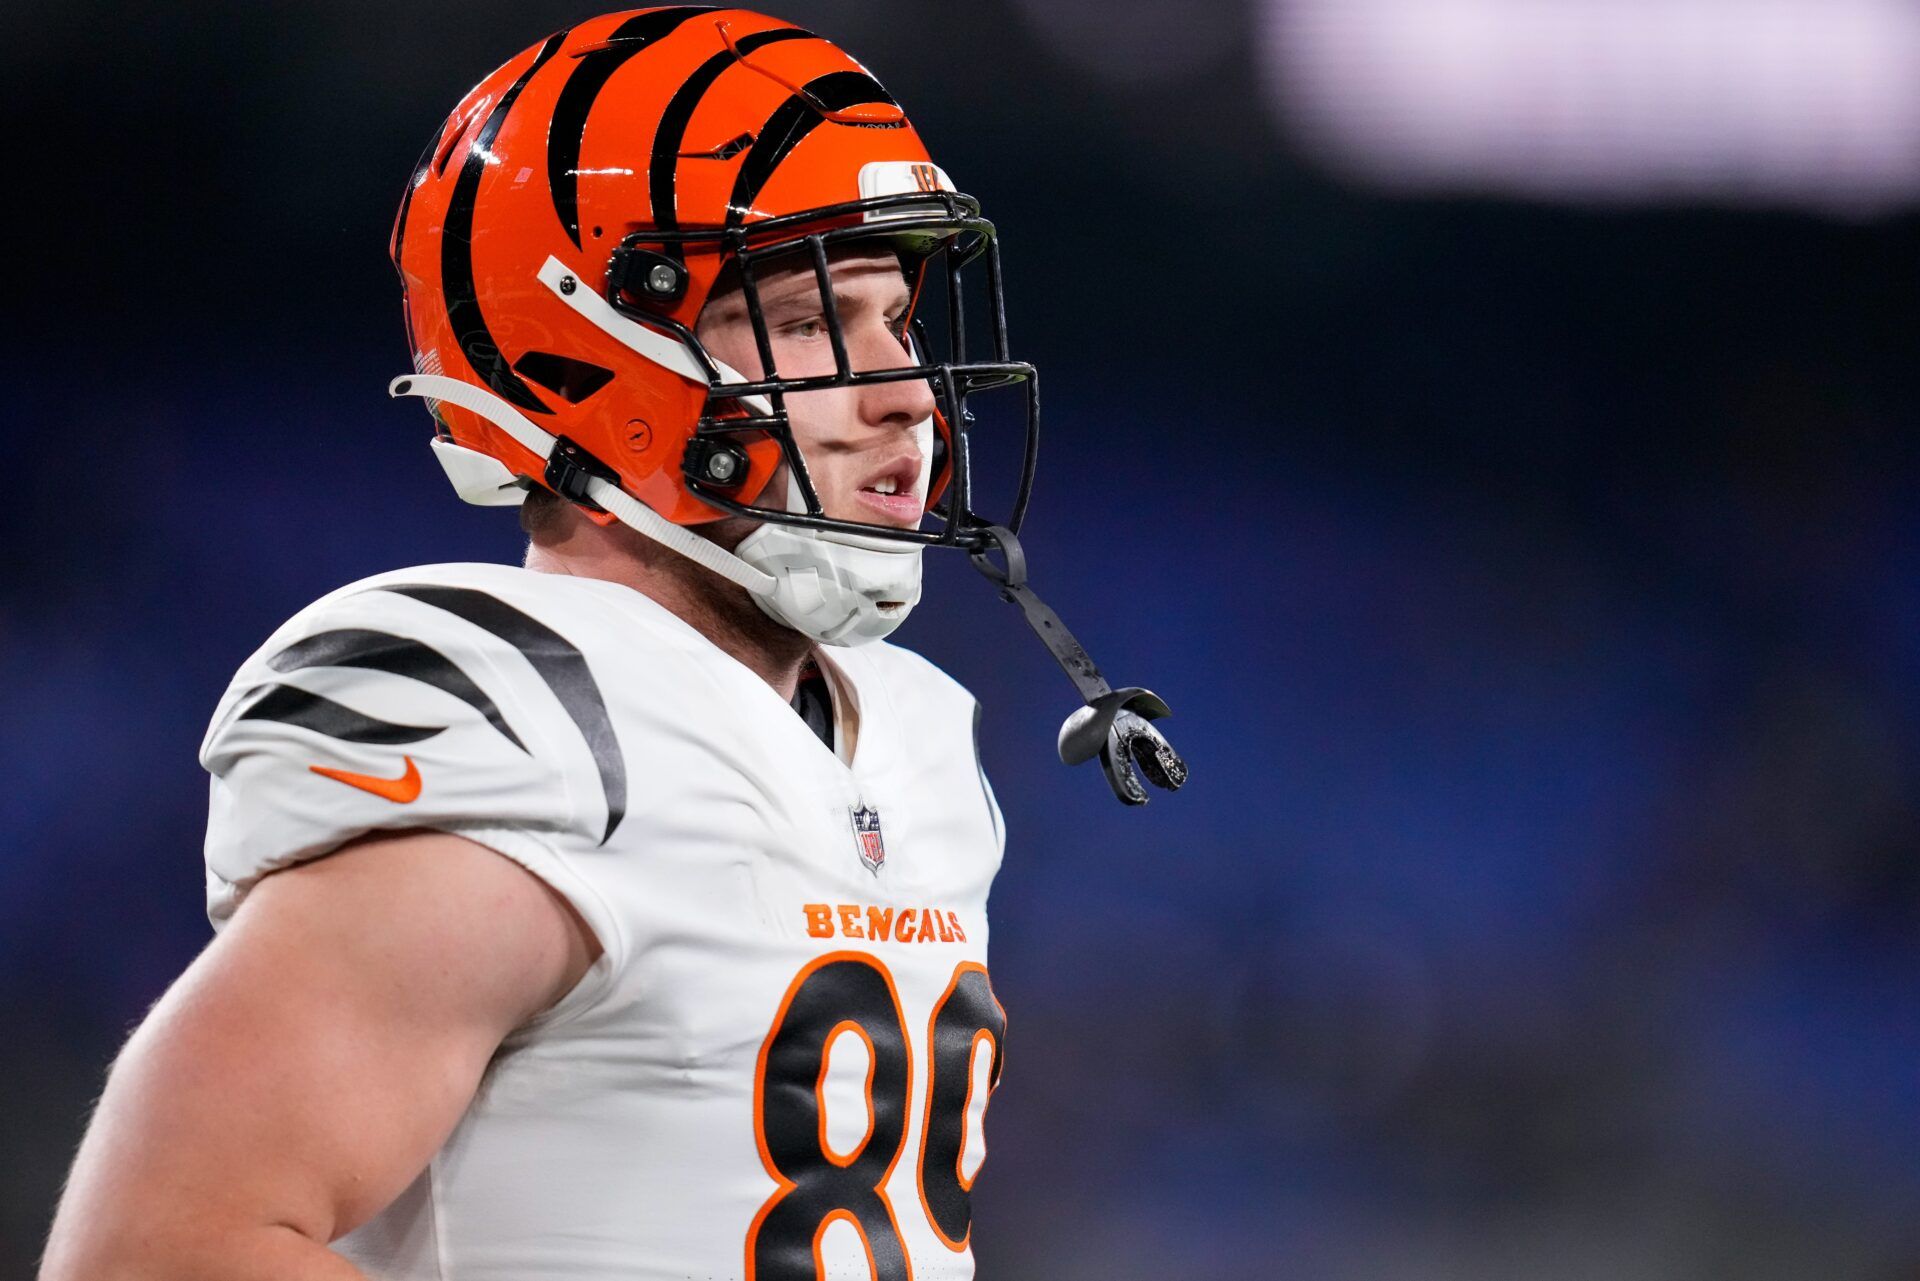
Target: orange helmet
{"points": [[570, 219]]}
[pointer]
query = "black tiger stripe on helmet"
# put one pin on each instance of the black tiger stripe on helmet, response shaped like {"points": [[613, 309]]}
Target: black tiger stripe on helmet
{"points": [[790, 124], [590, 74], [469, 325], [663, 165]]}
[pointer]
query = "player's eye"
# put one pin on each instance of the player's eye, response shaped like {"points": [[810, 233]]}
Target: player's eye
{"points": [[809, 327]]}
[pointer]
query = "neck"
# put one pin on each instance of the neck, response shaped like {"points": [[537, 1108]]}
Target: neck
{"points": [[721, 611]]}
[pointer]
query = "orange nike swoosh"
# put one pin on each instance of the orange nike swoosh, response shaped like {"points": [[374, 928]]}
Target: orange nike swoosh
{"points": [[400, 790]]}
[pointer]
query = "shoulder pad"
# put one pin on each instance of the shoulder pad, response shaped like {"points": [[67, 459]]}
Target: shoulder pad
{"points": [[408, 701]]}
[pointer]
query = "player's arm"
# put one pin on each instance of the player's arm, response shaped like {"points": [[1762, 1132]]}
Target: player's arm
{"points": [[310, 1062]]}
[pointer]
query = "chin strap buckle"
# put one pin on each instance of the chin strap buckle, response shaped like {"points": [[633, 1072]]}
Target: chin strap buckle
{"points": [[570, 469], [1114, 724]]}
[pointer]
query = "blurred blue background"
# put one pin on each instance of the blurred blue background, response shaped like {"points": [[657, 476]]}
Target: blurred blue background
{"points": [[1490, 426]]}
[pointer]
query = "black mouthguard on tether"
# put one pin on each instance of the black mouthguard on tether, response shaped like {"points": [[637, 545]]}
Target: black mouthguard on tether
{"points": [[1114, 723]]}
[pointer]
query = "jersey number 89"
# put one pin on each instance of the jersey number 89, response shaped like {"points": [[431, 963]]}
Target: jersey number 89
{"points": [[853, 992]]}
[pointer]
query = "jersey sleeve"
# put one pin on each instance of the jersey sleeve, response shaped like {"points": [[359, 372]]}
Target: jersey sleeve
{"points": [[377, 710]]}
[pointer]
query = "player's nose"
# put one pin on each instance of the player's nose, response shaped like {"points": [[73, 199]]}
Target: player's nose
{"points": [[901, 402]]}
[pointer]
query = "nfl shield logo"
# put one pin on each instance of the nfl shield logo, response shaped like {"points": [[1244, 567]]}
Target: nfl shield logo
{"points": [[866, 834]]}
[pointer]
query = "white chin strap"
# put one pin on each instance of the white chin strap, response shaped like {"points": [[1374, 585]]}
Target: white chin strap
{"points": [[838, 589]]}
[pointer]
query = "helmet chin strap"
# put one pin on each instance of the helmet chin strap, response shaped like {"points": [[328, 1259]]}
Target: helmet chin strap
{"points": [[838, 589]]}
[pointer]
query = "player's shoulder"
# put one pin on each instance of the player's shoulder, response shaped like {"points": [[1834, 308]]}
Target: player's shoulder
{"points": [[477, 603], [504, 600], [489, 635], [456, 697], [912, 681]]}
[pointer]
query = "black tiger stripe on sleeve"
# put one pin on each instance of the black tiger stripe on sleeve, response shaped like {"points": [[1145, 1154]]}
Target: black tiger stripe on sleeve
{"points": [[398, 655], [293, 706], [558, 662]]}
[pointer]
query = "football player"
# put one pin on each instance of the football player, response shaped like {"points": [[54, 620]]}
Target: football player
{"points": [[621, 915]]}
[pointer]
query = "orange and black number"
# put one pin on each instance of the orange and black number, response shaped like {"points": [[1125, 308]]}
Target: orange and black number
{"points": [[967, 1015], [818, 1186]]}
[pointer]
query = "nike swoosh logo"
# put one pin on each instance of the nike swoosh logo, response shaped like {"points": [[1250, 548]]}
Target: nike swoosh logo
{"points": [[400, 790]]}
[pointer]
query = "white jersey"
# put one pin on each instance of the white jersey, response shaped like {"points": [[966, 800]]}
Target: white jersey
{"points": [[779, 1067]]}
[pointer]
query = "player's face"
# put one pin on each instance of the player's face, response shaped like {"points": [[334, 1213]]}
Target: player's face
{"points": [[865, 446]]}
